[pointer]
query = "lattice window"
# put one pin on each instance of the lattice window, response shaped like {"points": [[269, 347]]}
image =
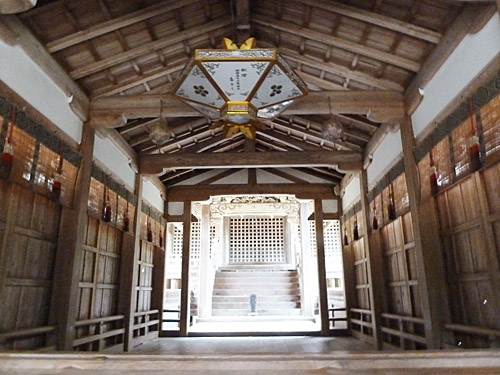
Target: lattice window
{"points": [[195, 242], [176, 252], [460, 141], [331, 239], [257, 240]]}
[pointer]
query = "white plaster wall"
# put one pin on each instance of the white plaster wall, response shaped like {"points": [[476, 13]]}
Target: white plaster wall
{"points": [[108, 154], [384, 156], [152, 195], [351, 193], [472, 55], [175, 208], [240, 177], [265, 177], [305, 176], [23, 76], [330, 206]]}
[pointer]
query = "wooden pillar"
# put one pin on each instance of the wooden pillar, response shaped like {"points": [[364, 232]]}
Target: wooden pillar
{"points": [[307, 302], [349, 283], [320, 251], [186, 238], [131, 248], [157, 296], [205, 267], [72, 228], [431, 274], [374, 264]]}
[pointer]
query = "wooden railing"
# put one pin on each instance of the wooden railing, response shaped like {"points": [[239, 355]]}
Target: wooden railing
{"points": [[106, 333], [402, 331], [44, 338], [146, 326], [490, 336], [361, 324], [333, 319], [170, 319]]}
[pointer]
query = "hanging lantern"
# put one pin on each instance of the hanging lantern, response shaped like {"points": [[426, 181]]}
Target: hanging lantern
{"points": [[106, 214], [149, 232], [375, 218], [355, 233], [57, 178], [391, 208], [346, 239], [160, 132], [475, 162], [433, 177], [126, 219], [332, 129], [8, 150]]}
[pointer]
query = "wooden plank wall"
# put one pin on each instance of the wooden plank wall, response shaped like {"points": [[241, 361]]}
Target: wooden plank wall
{"points": [[469, 214], [29, 228]]}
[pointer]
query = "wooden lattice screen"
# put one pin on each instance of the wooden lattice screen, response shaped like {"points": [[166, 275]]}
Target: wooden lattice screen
{"points": [[257, 240]]}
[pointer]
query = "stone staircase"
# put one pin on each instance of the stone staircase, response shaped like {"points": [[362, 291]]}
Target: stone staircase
{"points": [[276, 289]]}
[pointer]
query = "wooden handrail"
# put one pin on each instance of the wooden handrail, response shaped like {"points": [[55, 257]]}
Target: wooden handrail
{"points": [[141, 313], [26, 333], [100, 336], [411, 319], [104, 319], [360, 311], [474, 330]]}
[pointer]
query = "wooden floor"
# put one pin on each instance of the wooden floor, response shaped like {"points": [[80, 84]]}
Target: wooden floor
{"points": [[252, 345]]}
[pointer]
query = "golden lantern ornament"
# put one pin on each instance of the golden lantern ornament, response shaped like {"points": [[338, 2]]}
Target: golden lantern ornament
{"points": [[238, 86]]}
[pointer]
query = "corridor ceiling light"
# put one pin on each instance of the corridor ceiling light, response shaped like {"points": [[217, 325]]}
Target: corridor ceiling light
{"points": [[238, 87]]}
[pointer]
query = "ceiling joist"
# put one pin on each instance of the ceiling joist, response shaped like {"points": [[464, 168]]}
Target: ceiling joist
{"points": [[156, 164]]}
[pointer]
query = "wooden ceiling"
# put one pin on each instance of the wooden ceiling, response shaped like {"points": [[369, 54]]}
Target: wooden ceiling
{"points": [[366, 57]]}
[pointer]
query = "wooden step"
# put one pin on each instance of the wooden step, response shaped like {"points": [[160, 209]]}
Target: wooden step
{"points": [[253, 285], [260, 305], [248, 291]]}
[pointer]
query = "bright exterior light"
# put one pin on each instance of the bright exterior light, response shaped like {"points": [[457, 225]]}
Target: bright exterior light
{"points": [[239, 85]]}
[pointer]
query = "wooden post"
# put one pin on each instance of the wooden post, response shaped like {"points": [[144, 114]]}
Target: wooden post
{"points": [[131, 247], [306, 295], [348, 267], [157, 296], [204, 269], [431, 274], [374, 264], [72, 228], [186, 238], [320, 251]]}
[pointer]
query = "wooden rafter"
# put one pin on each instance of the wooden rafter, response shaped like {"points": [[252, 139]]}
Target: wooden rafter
{"points": [[147, 48], [377, 20], [329, 40], [154, 164], [116, 24]]}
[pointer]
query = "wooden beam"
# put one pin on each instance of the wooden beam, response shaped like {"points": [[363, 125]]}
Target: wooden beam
{"points": [[155, 164], [467, 20], [430, 264], [285, 175], [115, 24], [377, 20], [321, 266], [242, 21], [289, 141], [72, 231], [380, 106], [77, 99], [16, 6], [146, 48], [333, 41], [186, 238], [203, 192]]}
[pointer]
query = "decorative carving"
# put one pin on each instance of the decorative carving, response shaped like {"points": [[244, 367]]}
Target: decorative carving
{"points": [[255, 200]]}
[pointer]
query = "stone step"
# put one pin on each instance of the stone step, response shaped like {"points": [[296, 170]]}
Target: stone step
{"points": [[253, 285], [244, 312], [262, 267], [260, 298], [260, 305], [248, 291], [256, 276]]}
